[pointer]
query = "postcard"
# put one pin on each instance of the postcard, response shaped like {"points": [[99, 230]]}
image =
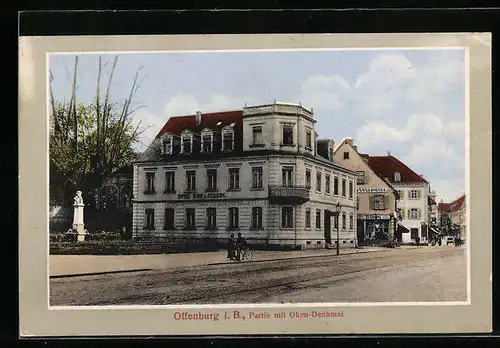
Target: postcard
{"points": [[255, 184]]}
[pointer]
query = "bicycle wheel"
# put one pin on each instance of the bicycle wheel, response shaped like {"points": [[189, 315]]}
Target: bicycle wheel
{"points": [[248, 254]]}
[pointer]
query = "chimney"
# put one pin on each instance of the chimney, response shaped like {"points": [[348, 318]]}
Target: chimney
{"points": [[388, 153], [198, 117]]}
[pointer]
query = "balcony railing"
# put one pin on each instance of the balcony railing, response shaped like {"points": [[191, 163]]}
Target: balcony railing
{"points": [[289, 194]]}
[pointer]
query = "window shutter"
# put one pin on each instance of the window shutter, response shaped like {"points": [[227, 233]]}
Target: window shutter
{"points": [[419, 194], [371, 202], [402, 213]]}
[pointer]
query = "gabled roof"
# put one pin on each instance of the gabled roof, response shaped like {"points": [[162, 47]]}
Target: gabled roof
{"points": [[176, 124], [386, 166], [457, 204], [444, 207], [125, 170]]}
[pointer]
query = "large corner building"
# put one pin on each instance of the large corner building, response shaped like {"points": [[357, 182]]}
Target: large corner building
{"points": [[260, 171]]}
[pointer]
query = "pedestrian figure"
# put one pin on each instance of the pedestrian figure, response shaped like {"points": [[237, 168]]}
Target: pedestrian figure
{"points": [[230, 247]]}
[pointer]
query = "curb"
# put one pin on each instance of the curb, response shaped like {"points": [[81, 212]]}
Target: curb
{"points": [[98, 273], [207, 264]]}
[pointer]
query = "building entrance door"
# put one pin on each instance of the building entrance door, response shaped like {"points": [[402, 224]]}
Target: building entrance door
{"points": [[328, 227]]}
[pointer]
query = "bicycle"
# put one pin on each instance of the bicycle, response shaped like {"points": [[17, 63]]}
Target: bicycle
{"points": [[246, 254]]}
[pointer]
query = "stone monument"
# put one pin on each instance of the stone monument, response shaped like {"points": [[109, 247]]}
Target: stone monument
{"points": [[78, 225]]}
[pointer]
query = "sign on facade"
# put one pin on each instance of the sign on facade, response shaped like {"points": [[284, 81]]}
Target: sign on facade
{"points": [[206, 195], [372, 189], [375, 217]]}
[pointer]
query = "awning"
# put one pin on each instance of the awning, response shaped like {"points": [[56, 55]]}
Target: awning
{"points": [[400, 225], [432, 229]]}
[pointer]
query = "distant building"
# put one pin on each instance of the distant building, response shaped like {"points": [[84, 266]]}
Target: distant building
{"points": [[376, 197], [444, 218], [413, 192], [260, 171], [458, 217]]}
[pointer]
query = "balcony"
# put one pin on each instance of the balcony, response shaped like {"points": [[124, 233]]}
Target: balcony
{"points": [[288, 194]]}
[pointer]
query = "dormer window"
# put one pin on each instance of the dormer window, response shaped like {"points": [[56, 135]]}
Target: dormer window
{"points": [[207, 140], [167, 145], [186, 142], [228, 138], [397, 176]]}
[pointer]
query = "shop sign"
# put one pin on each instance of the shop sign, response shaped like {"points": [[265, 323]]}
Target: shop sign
{"points": [[375, 217], [204, 195], [372, 189]]}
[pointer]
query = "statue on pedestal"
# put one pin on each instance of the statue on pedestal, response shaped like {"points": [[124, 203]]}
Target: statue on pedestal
{"points": [[78, 224]]}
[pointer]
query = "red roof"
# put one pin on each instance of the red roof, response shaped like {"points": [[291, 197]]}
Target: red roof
{"points": [[176, 124], [386, 166], [444, 207], [457, 204]]}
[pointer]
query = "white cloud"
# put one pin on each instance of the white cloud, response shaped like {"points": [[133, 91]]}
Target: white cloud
{"points": [[150, 123], [448, 189], [324, 92], [186, 104]]}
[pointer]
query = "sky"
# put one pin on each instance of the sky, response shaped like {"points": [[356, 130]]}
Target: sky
{"points": [[408, 102]]}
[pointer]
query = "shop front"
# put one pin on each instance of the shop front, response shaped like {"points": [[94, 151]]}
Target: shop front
{"points": [[375, 228]]}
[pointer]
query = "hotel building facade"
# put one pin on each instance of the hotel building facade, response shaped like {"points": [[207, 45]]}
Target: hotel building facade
{"points": [[260, 171]]}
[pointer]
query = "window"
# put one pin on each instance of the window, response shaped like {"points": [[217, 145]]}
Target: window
{"points": [[361, 177], [327, 183], [190, 219], [335, 186], [343, 188], [257, 177], [318, 182], [169, 219], [346, 155], [211, 219], [211, 179], [414, 194], [351, 190], [168, 146], [397, 176], [257, 136], [207, 143], [308, 218], [351, 222], [186, 143], [227, 140], [308, 178], [234, 178], [287, 217], [288, 134], [256, 217], [318, 218], [401, 194], [336, 221], [287, 174], [378, 202], [150, 219], [344, 221], [191, 180], [169, 182], [233, 218], [309, 139], [414, 213], [150, 183]]}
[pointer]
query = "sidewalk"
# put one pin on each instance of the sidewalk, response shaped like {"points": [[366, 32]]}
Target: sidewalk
{"points": [[74, 265]]}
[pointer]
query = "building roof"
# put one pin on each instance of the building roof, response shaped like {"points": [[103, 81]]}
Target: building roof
{"points": [[125, 170], [386, 166], [458, 203], [176, 124], [444, 207]]}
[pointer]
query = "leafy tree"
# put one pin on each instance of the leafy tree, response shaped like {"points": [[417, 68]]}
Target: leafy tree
{"points": [[88, 141]]}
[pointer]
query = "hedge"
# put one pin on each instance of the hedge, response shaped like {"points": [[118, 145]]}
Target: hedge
{"points": [[120, 247]]}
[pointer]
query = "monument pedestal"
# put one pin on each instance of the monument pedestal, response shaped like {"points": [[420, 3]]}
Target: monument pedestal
{"points": [[78, 225]]}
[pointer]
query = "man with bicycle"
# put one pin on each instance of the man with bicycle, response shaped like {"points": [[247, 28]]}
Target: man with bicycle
{"points": [[240, 244]]}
